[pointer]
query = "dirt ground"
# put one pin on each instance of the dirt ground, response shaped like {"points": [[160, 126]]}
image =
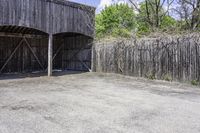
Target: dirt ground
{"points": [[97, 103]]}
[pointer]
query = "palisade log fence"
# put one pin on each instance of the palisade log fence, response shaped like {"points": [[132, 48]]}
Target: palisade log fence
{"points": [[174, 58]]}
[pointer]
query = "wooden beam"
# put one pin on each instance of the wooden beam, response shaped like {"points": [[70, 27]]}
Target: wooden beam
{"points": [[50, 55], [57, 51], [85, 65], [18, 35]]}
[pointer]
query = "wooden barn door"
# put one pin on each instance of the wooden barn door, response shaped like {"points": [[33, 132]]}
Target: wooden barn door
{"points": [[22, 54], [77, 53]]}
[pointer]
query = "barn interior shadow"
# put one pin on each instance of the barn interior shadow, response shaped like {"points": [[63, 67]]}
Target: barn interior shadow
{"points": [[25, 56]]}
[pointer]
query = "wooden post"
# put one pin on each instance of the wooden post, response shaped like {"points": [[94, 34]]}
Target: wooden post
{"points": [[50, 55]]}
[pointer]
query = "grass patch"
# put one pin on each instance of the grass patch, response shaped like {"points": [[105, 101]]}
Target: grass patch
{"points": [[150, 76], [167, 77], [195, 82]]}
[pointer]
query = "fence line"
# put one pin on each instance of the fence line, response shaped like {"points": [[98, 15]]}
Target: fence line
{"points": [[169, 58]]}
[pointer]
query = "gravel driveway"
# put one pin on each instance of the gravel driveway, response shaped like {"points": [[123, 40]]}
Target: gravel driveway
{"points": [[97, 103]]}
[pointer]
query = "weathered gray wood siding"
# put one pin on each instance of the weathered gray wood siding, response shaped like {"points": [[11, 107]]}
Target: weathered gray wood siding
{"points": [[50, 16], [36, 17], [177, 58]]}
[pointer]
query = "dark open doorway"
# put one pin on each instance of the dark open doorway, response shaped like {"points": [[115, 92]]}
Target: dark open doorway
{"points": [[72, 51]]}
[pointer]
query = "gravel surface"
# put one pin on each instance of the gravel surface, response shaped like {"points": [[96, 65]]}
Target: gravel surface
{"points": [[97, 103]]}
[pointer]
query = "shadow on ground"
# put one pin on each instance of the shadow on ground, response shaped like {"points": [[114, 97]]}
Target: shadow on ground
{"points": [[11, 76]]}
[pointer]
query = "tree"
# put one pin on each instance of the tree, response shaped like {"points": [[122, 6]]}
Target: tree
{"points": [[153, 11], [116, 20], [168, 22], [189, 13], [153, 19]]}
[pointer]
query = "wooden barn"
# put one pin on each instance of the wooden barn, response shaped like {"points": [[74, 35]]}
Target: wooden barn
{"points": [[43, 35]]}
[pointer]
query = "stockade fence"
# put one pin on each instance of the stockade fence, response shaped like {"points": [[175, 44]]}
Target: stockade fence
{"points": [[169, 58]]}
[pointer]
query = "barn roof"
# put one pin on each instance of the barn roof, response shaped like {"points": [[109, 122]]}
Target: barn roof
{"points": [[47, 16], [73, 4]]}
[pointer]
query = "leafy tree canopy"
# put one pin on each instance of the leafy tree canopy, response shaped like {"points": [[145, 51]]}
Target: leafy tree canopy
{"points": [[149, 21], [116, 20], [152, 16]]}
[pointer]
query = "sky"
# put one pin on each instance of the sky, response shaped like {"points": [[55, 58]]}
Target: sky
{"points": [[99, 4]]}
